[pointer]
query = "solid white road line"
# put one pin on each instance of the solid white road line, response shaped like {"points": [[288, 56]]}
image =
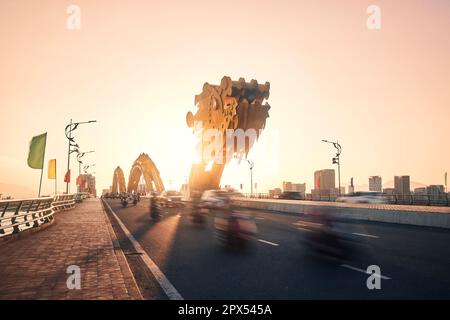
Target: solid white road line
{"points": [[268, 242], [363, 271], [165, 284], [365, 235], [259, 218]]}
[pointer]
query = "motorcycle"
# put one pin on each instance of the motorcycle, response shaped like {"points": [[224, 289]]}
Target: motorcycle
{"points": [[128, 199], [155, 210], [234, 229]]}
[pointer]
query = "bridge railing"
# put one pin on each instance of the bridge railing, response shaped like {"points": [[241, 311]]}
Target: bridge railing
{"points": [[22, 214], [19, 215], [63, 202]]}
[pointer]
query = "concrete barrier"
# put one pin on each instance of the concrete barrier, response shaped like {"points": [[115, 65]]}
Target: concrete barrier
{"points": [[410, 215]]}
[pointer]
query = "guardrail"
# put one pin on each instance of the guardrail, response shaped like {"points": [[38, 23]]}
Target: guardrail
{"points": [[19, 215], [442, 199], [22, 214], [80, 196], [63, 202]]}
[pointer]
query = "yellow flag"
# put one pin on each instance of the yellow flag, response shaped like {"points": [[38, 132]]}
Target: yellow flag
{"points": [[52, 169]]}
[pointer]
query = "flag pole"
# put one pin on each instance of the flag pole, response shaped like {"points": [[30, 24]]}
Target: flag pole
{"points": [[56, 188], [42, 169]]}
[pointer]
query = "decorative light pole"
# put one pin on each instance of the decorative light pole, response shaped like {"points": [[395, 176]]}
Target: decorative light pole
{"points": [[85, 168], [79, 156], [336, 160], [73, 147], [252, 164]]}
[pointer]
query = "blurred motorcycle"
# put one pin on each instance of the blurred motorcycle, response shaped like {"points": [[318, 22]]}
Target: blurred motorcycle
{"points": [[322, 238], [128, 198], [155, 207], [234, 229]]}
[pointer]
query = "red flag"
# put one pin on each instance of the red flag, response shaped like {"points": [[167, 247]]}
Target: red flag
{"points": [[67, 176]]}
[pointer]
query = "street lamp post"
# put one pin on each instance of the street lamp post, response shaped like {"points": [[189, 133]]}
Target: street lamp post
{"points": [[252, 164], [336, 160], [68, 130]]}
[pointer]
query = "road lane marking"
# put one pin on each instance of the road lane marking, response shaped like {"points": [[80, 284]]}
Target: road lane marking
{"points": [[365, 235], [307, 224], [259, 218], [304, 229], [364, 271], [268, 242], [165, 284]]}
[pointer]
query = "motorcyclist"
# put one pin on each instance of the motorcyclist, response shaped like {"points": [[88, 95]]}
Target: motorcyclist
{"points": [[196, 215], [155, 211]]}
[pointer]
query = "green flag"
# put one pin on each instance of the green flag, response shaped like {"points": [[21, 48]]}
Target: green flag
{"points": [[37, 151]]}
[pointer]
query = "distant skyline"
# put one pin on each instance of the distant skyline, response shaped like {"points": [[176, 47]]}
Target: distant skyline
{"points": [[136, 68]]}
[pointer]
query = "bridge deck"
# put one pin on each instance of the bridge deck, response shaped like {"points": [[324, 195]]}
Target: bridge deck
{"points": [[35, 266]]}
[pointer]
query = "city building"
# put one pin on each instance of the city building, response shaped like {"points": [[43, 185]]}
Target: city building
{"points": [[420, 191], [389, 191], [86, 183], [435, 191], [351, 189], [401, 185], [324, 182], [375, 183], [299, 187], [274, 192]]}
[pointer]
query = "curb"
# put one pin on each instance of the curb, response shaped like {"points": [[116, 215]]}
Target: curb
{"points": [[130, 281]]}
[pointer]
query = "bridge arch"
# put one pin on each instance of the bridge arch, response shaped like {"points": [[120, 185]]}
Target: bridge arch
{"points": [[144, 166], [118, 184]]}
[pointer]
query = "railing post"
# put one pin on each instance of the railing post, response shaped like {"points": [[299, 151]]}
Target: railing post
{"points": [[14, 218]]}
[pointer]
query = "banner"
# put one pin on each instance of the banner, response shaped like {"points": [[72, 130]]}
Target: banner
{"points": [[37, 151], [52, 169], [67, 176]]}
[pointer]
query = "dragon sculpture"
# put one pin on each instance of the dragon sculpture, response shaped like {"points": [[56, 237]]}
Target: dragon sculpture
{"points": [[231, 105]]}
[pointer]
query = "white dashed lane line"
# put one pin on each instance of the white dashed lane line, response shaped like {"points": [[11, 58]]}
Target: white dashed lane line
{"points": [[365, 235], [364, 271], [268, 242]]}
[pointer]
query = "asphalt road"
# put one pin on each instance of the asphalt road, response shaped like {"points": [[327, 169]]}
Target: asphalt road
{"points": [[278, 264]]}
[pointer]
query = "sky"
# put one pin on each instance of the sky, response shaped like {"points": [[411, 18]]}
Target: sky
{"points": [[136, 66]]}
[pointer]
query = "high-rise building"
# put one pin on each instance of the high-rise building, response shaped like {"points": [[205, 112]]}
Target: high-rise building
{"points": [[86, 183], [324, 182], [375, 183], [401, 185]]}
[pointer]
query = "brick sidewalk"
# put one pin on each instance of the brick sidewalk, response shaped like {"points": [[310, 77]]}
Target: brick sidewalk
{"points": [[34, 266]]}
